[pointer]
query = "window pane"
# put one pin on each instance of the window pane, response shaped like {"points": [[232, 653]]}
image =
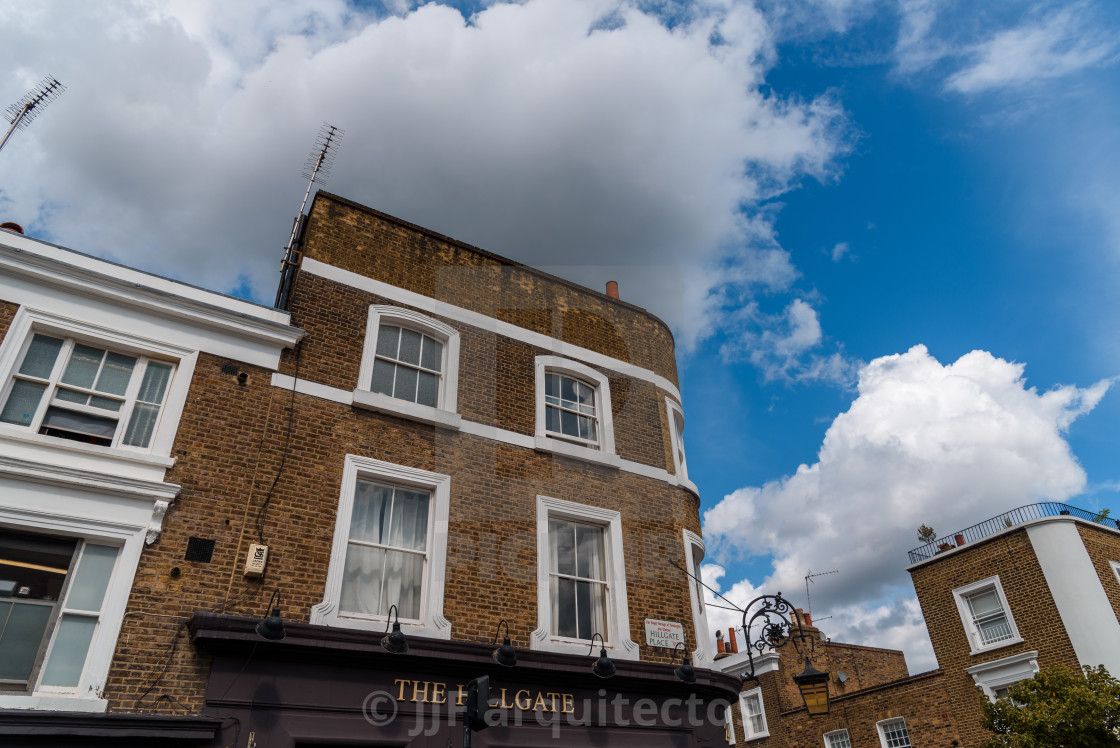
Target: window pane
{"points": [[71, 396], [141, 425], [584, 625], [87, 590], [369, 520], [38, 563], [552, 385], [587, 428], [404, 581], [427, 391], [568, 391], [589, 551], [562, 542], [552, 419], [60, 419], [433, 354], [387, 337], [406, 384], [994, 630], [564, 607], [896, 734], [410, 520], [68, 654], [22, 626], [40, 357], [83, 365], [569, 423], [410, 346], [984, 602], [383, 372], [839, 740], [105, 403], [586, 399], [361, 580], [156, 377], [115, 374], [22, 402]]}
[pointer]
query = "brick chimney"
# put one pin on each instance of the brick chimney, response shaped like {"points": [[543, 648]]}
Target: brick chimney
{"points": [[612, 289]]}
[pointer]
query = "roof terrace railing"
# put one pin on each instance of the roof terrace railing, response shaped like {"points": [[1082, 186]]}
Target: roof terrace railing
{"points": [[1004, 521]]}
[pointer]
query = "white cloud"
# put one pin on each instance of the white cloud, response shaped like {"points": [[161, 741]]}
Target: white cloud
{"points": [[945, 445], [840, 251], [1055, 46], [534, 129], [783, 346]]}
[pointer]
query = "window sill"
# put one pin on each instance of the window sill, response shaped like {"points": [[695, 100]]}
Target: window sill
{"points": [[759, 736], [541, 641], [997, 645], [21, 434], [568, 449], [423, 413], [53, 703], [326, 614]]}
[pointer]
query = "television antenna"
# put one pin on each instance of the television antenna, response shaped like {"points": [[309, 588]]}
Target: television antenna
{"points": [[317, 169], [809, 578], [23, 111]]}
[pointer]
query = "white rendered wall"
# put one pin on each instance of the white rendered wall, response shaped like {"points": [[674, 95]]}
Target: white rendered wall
{"points": [[1086, 612]]}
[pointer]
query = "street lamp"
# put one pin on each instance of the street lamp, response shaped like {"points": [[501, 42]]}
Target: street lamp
{"points": [[772, 615]]}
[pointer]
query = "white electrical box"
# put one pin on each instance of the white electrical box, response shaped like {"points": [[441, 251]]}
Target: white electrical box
{"points": [[256, 560]]}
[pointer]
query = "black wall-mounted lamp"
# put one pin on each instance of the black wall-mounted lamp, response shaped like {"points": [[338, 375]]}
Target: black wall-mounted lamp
{"points": [[505, 655], [271, 626], [772, 614], [813, 685], [394, 641], [603, 666], [685, 672]]}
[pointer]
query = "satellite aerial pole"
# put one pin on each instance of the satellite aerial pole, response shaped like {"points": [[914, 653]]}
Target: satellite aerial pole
{"points": [[23, 111], [317, 169]]}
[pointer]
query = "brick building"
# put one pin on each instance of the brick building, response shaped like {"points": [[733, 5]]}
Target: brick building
{"points": [[448, 440], [1035, 587]]}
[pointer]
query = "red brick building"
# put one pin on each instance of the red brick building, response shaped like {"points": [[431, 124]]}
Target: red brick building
{"points": [[1034, 587], [437, 437]]}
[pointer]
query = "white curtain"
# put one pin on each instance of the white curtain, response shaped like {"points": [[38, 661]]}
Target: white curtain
{"points": [[376, 578]]}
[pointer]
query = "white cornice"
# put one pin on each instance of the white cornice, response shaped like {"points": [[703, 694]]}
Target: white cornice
{"points": [[60, 475], [89, 276], [481, 321]]}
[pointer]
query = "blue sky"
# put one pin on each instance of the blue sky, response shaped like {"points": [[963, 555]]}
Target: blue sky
{"points": [[886, 231]]}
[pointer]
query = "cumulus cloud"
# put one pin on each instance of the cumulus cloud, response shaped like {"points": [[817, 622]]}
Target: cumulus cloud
{"points": [[582, 135], [942, 444], [840, 251]]}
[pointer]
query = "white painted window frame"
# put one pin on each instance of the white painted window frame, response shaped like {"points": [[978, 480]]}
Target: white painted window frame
{"points": [[1116, 569], [129, 539], [880, 727], [431, 622], [446, 414], [960, 595], [748, 733], [1004, 672], [28, 321], [729, 725], [545, 441], [675, 413], [617, 637], [702, 655], [828, 735]]}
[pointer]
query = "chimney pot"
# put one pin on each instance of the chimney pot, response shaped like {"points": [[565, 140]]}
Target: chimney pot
{"points": [[12, 226], [732, 645], [612, 289]]}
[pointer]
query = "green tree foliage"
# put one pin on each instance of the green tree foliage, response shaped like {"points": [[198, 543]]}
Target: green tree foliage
{"points": [[927, 534], [1058, 708]]}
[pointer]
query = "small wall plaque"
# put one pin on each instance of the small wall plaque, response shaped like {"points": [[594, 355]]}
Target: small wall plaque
{"points": [[664, 634]]}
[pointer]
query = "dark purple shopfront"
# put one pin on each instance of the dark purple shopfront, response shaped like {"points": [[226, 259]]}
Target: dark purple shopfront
{"points": [[323, 686]]}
